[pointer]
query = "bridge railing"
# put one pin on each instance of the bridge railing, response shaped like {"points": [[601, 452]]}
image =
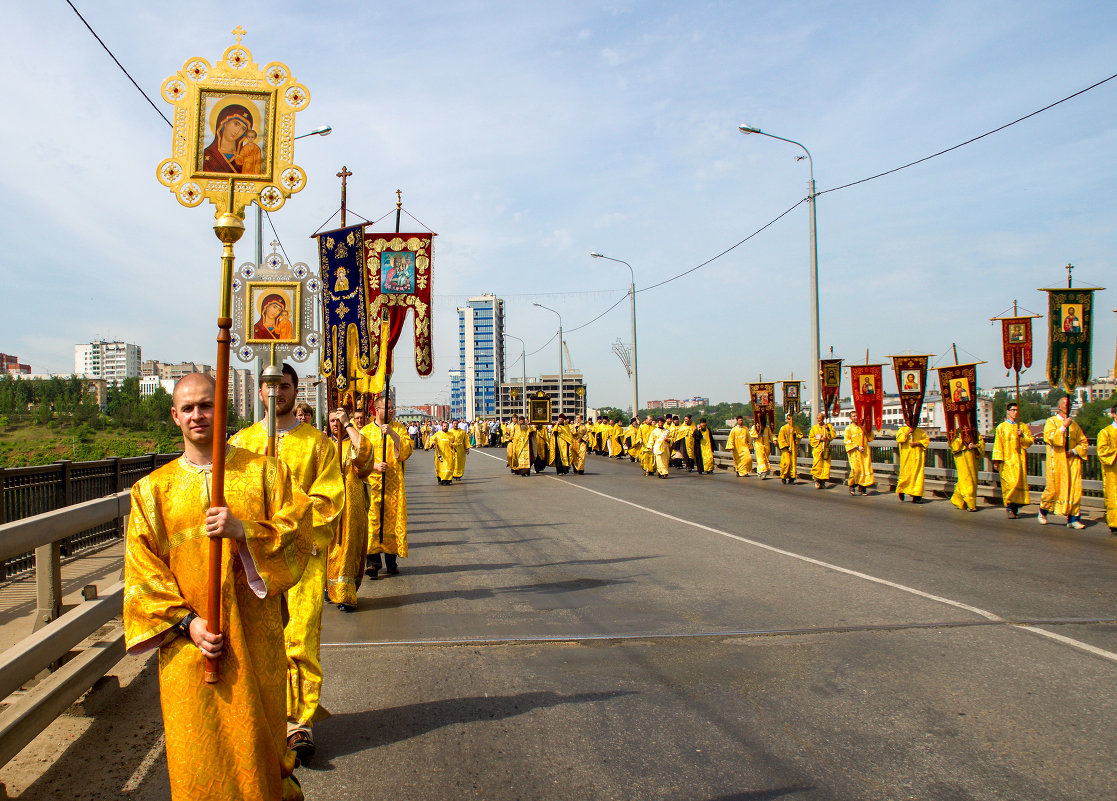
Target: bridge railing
{"points": [[939, 469]]}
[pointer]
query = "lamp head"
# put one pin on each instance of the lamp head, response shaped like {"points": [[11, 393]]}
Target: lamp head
{"points": [[536, 304], [596, 255], [747, 129]]}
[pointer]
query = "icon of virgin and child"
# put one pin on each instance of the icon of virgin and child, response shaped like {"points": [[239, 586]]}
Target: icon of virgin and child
{"points": [[275, 320], [234, 147]]}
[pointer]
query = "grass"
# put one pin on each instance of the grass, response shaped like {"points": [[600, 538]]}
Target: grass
{"points": [[24, 444]]}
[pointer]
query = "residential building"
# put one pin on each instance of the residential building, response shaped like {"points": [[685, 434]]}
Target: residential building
{"points": [[675, 403], [932, 418], [695, 402], [112, 361], [480, 358], [153, 367], [13, 366], [242, 391], [654, 404], [438, 411], [1103, 388], [150, 383]]}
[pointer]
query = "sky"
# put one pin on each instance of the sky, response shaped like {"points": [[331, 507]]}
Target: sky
{"points": [[529, 134]]}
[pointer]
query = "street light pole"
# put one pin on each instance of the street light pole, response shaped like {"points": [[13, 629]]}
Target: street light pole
{"points": [[816, 353], [548, 308], [523, 379], [632, 296]]}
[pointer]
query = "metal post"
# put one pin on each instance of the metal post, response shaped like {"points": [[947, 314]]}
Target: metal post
{"points": [[548, 308], [635, 365]]}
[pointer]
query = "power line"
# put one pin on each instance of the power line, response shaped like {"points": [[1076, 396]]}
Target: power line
{"points": [[114, 58], [970, 141]]}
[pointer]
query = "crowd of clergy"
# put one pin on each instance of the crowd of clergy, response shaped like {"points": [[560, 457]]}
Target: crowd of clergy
{"points": [[302, 521]]}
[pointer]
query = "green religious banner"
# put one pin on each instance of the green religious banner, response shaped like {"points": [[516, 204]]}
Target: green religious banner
{"points": [[1069, 333]]}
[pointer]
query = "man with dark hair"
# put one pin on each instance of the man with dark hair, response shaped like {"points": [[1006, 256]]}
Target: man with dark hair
{"points": [[226, 738], [1011, 441], [311, 458], [703, 448]]}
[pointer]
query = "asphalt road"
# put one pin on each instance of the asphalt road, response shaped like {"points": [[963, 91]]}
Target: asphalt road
{"points": [[611, 636]]}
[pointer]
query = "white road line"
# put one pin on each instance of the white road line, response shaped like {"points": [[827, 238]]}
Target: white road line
{"points": [[1082, 646], [145, 766]]}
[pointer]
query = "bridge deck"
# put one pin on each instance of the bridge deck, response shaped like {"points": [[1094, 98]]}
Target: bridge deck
{"points": [[615, 636]]}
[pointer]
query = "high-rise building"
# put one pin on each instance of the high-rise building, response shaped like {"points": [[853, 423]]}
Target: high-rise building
{"points": [[574, 394], [480, 358], [112, 361]]}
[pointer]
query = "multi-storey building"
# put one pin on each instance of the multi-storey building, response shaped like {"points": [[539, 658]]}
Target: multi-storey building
{"points": [[112, 361], [473, 386], [12, 365], [932, 418], [438, 411], [574, 395]]}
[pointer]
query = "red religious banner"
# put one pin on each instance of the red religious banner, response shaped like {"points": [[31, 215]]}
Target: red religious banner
{"points": [[399, 279], [911, 381], [1016, 339], [958, 384], [868, 394], [830, 370], [763, 396], [792, 390]]}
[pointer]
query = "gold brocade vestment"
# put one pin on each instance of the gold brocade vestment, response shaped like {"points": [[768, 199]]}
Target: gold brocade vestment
{"points": [[820, 438], [345, 563], [912, 444], [311, 459], [761, 447], [442, 443], [739, 444], [519, 449], [788, 442], [461, 448], [860, 461], [1010, 446], [1107, 455], [393, 539], [966, 465], [1066, 453], [224, 740]]}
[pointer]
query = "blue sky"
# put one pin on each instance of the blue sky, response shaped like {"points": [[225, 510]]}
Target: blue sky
{"points": [[530, 134]]}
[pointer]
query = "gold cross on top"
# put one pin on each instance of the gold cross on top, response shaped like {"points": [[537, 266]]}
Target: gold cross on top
{"points": [[239, 32]]}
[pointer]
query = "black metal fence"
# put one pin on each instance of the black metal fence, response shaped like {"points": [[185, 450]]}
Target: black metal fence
{"points": [[28, 491]]}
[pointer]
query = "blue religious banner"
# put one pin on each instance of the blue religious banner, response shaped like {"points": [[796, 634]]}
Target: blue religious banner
{"points": [[346, 350]]}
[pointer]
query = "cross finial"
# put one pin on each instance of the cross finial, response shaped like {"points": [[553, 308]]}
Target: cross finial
{"points": [[399, 198], [345, 173], [239, 32], [274, 245], [1070, 267]]}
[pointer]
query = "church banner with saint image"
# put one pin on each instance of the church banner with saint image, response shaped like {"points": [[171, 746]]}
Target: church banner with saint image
{"points": [[346, 346], [763, 397], [1070, 324], [792, 394], [868, 397], [958, 385], [911, 382], [830, 371], [1016, 341], [399, 278]]}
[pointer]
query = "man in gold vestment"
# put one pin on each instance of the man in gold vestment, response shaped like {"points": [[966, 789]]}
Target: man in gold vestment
{"points": [[912, 444], [312, 461], [659, 443], [860, 458], [224, 740], [461, 448], [579, 445], [1107, 455], [820, 437], [390, 449], [761, 448], [519, 449], [563, 442], [442, 443], [647, 458], [1066, 453], [740, 445], [1011, 441], [632, 439], [788, 442], [703, 448], [345, 563], [967, 463]]}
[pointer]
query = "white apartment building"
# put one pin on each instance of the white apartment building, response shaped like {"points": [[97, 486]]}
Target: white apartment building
{"points": [[111, 361], [150, 383]]}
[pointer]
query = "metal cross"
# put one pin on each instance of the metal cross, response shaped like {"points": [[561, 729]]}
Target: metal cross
{"points": [[1069, 268], [343, 175], [238, 32]]}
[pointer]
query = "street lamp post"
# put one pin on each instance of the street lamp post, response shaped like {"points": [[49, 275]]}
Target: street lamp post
{"points": [[548, 308], [324, 130], [523, 379], [816, 355], [632, 296]]}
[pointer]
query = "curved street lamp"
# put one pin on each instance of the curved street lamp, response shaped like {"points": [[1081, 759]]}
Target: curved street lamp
{"points": [[523, 379], [816, 355], [632, 295]]}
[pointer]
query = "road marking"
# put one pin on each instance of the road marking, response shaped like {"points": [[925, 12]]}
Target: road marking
{"points": [[1082, 646], [550, 638], [145, 766]]}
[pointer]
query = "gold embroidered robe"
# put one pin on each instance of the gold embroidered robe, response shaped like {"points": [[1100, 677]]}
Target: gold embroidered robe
{"points": [[912, 444], [1010, 445], [967, 463], [761, 447], [860, 461], [445, 454], [1066, 453], [345, 562], [788, 442], [740, 445], [519, 448], [1107, 455], [393, 538], [704, 449], [311, 459], [461, 448], [820, 438], [229, 739]]}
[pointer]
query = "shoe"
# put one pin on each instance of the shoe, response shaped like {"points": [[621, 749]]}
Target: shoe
{"points": [[371, 572], [900, 495], [1077, 524], [303, 746], [917, 499], [852, 490], [1042, 519], [863, 491], [346, 608], [818, 485], [1010, 514], [393, 571]]}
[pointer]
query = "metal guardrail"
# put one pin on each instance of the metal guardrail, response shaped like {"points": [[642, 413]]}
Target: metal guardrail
{"points": [[29, 491], [940, 466], [26, 716]]}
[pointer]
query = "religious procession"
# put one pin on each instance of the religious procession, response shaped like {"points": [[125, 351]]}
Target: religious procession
{"points": [[234, 550]]}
